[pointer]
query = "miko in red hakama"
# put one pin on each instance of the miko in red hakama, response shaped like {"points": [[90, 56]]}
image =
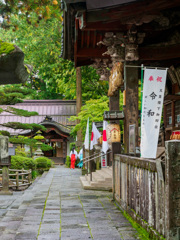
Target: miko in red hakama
{"points": [[73, 160]]}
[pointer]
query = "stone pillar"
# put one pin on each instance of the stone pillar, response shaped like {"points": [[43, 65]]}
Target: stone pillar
{"points": [[5, 179], [4, 161], [172, 190]]}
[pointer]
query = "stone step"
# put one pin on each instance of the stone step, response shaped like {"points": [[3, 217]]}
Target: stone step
{"points": [[94, 185], [96, 177], [104, 174], [99, 176], [101, 180], [107, 171], [98, 184], [85, 184]]}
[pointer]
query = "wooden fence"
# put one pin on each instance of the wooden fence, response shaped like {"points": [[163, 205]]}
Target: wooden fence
{"points": [[140, 192], [20, 178], [150, 192]]}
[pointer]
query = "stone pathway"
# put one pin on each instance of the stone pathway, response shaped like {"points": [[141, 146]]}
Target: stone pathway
{"points": [[56, 207]]}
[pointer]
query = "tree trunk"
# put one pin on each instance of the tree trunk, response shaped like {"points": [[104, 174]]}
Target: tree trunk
{"points": [[78, 101]]}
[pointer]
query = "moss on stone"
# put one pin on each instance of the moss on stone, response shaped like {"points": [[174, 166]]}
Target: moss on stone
{"points": [[142, 233], [6, 48]]}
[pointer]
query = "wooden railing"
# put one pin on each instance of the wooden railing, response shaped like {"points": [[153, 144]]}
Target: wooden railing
{"points": [[19, 178], [91, 158], [140, 191]]}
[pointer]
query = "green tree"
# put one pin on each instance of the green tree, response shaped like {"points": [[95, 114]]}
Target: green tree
{"points": [[10, 95], [93, 109], [52, 77]]}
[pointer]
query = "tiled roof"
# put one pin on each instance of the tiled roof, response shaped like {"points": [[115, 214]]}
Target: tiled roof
{"points": [[59, 110]]}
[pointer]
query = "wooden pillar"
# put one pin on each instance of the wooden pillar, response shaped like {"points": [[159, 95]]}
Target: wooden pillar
{"points": [[64, 150], [78, 101], [114, 106], [116, 147], [131, 109], [114, 102], [173, 114]]}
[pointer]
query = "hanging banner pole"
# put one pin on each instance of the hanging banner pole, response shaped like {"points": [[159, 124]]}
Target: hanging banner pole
{"points": [[142, 77]]}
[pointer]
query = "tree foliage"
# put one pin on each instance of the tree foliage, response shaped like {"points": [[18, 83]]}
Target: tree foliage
{"points": [[11, 95], [52, 77], [93, 109]]}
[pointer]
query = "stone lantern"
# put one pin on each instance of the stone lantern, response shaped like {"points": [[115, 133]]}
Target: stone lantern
{"points": [[38, 152]]}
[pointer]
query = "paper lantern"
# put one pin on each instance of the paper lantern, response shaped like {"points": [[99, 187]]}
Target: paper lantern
{"points": [[100, 140], [175, 135], [113, 133]]}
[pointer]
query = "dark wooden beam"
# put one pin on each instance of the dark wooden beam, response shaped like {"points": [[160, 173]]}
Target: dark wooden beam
{"points": [[94, 39], [116, 26], [124, 12], [86, 62], [88, 39], [145, 53], [91, 52], [172, 97], [159, 53]]}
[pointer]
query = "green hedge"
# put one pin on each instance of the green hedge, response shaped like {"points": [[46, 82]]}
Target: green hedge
{"points": [[68, 161], [19, 162], [44, 162]]}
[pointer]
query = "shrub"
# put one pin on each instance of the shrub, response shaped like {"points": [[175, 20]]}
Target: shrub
{"points": [[50, 163], [71, 145], [19, 162], [68, 161], [41, 162], [44, 162], [20, 151], [76, 163]]}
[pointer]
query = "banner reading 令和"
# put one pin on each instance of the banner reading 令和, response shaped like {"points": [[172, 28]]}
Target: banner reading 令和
{"points": [[153, 95]]}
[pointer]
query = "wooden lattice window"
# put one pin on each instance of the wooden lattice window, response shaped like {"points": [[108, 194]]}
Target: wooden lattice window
{"points": [[169, 115], [177, 112]]}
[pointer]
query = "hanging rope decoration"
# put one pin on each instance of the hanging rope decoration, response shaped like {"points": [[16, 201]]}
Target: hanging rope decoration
{"points": [[116, 78]]}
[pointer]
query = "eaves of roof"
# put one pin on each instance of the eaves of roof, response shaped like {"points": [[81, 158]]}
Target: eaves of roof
{"points": [[95, 5], [73, 1], [60, 127]]}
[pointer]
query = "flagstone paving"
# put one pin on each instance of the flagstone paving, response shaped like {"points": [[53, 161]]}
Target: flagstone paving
{"points": [[56, 207]]}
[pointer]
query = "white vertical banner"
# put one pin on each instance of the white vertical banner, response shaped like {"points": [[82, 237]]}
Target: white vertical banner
{"points": [[103, 160], [95, 134], [105, 145], [153, 96], [86, 141]]}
